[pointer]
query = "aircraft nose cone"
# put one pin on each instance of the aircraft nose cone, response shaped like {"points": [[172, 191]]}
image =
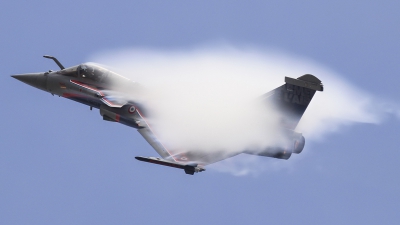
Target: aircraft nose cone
{"points": [[37, 80]]}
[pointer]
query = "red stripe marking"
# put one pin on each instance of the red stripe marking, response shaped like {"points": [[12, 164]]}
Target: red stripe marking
{"points": [[87, 86], [70, 95], [107, 102]]}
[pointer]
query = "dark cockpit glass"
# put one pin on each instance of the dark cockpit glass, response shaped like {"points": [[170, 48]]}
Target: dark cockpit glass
{"points": [[92, 72], [87, 71]]}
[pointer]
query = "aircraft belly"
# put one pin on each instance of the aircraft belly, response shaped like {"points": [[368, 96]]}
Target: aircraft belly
{"points": [[85, 101]]}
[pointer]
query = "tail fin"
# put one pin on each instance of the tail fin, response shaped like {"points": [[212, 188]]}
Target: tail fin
{"points": [[291, 99]]}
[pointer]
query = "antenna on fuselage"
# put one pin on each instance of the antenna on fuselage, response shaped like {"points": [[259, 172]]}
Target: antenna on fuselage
{"points": [[55, 60]]}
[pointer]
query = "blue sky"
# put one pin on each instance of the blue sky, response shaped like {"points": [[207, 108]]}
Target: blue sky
{"points": [[61, 164]]}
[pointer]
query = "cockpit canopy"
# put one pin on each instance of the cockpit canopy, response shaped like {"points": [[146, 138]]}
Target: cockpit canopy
{"points": [[87, 71], [92, 72]]}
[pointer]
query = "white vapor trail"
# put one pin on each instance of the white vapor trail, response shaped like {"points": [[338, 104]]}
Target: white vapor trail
{"points": [[203, 98]]}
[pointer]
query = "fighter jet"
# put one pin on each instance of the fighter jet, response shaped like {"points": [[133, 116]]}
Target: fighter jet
{"points": [[93, 85]]}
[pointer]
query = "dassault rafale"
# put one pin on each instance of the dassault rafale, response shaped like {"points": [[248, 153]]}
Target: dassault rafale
{"points": [[92, 85]]}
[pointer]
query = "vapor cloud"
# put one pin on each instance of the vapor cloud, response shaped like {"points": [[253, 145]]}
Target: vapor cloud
{"points": [[204, 98]]}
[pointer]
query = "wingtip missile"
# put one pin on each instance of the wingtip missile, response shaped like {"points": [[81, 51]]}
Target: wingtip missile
{"points": [[189, 168]]}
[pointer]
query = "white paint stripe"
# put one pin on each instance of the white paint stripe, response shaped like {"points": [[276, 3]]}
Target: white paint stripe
{"points": [[87, 87]]}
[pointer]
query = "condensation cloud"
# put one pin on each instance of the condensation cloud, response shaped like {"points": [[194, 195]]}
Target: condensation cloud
{"points": [[204, 97]]}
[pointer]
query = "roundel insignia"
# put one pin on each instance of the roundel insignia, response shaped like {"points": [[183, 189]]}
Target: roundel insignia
{"points": [[131, 109], [183, 158]]}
